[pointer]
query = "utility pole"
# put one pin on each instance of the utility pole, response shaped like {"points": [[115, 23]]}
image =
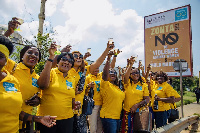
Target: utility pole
{"points": [[41, 17]]}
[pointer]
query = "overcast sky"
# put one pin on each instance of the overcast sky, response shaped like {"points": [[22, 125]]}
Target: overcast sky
{"points": [[89, 23]]}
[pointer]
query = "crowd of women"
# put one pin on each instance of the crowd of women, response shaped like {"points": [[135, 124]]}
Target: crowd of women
{"points": [[118, 93]]}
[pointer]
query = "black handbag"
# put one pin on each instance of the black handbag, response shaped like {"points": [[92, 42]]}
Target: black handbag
{"points": [[88, 103], [174, 114]]}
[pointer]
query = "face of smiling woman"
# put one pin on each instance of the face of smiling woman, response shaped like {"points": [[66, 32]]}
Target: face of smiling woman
{"points": [[31, 57], [65, 64], [135, 74], [78, 58]]}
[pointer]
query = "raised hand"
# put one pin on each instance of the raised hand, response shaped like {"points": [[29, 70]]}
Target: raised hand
{"points": [[87, 55], [110, 46], [12, 25], [67, 48], [52, 49]]}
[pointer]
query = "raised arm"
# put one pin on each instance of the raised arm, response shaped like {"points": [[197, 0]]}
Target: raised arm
{"points": [[12, 25], [147, 73], [106, 68], [100, 60], [126, 76], [112, 65], [44, 80]]}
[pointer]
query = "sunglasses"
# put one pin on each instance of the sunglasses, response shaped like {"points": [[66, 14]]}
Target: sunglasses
{"points": [[113, 72], [133, 73], [80, 56], [67, 59]]}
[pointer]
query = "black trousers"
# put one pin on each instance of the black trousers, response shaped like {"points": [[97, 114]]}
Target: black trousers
{"points": [[197, 98], [62, 126]]}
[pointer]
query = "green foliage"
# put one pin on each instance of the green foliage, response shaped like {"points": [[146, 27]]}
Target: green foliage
{"points": [[188, 82], [44, 42], [188, 97], [16, 55]]}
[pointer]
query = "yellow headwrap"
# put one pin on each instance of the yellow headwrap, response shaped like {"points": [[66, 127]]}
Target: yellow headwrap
{"points": [[4, 50]]}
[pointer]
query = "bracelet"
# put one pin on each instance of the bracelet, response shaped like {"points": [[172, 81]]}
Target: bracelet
{"points": [[115, 55], [50, 60]]}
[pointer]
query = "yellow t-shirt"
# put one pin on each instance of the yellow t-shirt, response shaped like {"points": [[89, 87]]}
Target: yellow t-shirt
{"points": [[113, 98], [56, 100], [163, 90], [88, 70], [78, 97], [28, 84], [11, 103], [134, 93], [10, 65], [153, 87], [97, 87], [176, 95]]}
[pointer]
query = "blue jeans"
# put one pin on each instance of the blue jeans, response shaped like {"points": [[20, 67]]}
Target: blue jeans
{"points": [[110, 125], [161, 118]]}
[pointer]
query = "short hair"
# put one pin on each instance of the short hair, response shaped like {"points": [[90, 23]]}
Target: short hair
{"points": [[64, 54], [5, 41], [162, 74], [23, 51], [76, 52]]}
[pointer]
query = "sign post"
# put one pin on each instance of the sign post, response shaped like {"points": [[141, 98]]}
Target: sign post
{"points": [[181, 65]]}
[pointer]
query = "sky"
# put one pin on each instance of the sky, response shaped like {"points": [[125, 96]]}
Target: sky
{"points": [[89, 23]]}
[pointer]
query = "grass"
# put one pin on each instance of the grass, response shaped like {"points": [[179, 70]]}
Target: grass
{"points": [[188, 97]]}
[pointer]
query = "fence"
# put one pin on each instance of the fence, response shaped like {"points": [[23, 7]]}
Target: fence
{"points": [[179, 125]]}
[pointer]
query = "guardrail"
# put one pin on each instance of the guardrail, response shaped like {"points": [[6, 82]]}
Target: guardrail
{"points": [[179, 125]]}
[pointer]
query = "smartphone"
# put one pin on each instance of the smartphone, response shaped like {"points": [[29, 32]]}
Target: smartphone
{"points": [[34, 96]]}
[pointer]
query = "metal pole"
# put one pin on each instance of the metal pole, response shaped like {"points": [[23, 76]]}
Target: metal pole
{"points": [[181, 88]]}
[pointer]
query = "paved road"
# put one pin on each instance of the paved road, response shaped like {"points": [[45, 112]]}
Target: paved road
{"points": [[189, 110]]}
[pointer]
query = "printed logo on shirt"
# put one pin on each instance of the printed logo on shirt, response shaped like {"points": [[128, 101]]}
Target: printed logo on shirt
{"points": [[80, 73], [139, 87], [159, 88], [9, 86], [69, 84], [34, 82], [97, 85]]}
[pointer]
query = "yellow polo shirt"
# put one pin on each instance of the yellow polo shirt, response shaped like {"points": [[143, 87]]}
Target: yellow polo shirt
{"points": [[27, 81], [153, 87], [176, 95], [56, 100], [134, 93], [113, 98], [97, 87], [11, 103], [10, 65], [78, 97], [163, 90]]}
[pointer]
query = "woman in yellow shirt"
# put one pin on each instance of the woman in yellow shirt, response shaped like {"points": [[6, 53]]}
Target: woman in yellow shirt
{"points": [[24, 72], [58, 94], [112, 98], [10, 96], [136, 95], [163, 93]]}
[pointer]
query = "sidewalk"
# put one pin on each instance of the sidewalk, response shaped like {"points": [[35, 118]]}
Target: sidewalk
{"points": [[189, 110]]}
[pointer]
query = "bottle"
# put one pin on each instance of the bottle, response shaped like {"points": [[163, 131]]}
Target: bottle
{"points": [[155, 105], [81, 81]]}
